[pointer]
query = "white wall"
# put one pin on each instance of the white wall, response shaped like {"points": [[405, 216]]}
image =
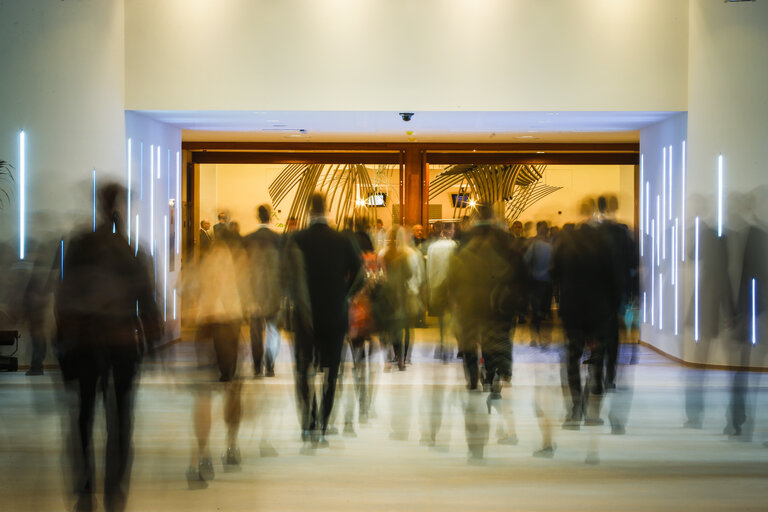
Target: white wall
{"points": [[401, 54], [728, 116], [63, 82], [657, 305], [156, 183]]}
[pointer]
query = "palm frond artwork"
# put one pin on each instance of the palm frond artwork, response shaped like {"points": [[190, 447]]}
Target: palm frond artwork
{"points": [[6, 178], [347, 188], [509, 188]]}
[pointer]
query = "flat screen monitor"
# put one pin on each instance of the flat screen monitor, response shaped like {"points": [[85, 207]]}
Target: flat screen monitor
{"points": [[460, 200], [378, 199]]}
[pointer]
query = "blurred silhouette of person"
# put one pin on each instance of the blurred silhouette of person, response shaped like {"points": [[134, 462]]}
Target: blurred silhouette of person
{"points": [[438, 259], [263, 246], [205, 236], [419, 237], [234, 230], [333, 273], [538, 258], [379, 235], [486, 287], [103, 304], [750, 305], [45, 256], [583, 268], [716, 306], [395, 262], [623, 256], [219, 318], [221, 228]]}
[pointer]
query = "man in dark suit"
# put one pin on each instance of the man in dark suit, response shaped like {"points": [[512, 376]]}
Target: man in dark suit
{"points": [[333, 271], [103, 303], [263, 246], [205, 236], [221, 229]]}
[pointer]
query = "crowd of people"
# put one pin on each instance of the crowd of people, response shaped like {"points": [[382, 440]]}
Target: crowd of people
{"points": [[346, 300]]}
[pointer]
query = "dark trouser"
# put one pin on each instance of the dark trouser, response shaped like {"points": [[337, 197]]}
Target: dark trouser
{"points": [[320, 350], [258, 328], [225, 338], [541, 303], [39, 345], [611, 349], [577, 343], [112, 371], [360, 372], [492, 336]]}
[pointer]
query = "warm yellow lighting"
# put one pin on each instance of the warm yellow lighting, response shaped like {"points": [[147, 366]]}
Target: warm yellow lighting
{"points": [[360, 202], [472, 203]]}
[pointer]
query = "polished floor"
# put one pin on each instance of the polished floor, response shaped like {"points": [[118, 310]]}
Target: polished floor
{"points": [[390, 464]]}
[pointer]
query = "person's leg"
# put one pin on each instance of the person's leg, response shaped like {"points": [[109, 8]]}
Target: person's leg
{"points": [[331, 362], [303, 353], [84, 464], [574, 351], [39, 345], [258, 325], [272, 337], [124, 364], [225, 338]]}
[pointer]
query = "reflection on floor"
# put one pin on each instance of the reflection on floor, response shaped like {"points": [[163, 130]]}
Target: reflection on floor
{"points": [[391, 463]]}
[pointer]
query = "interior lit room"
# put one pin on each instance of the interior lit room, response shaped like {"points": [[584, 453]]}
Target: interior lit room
{"points": [[377, 255]]}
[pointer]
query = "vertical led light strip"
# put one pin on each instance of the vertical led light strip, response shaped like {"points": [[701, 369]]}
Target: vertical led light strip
{"points": [[653, 264], [661, 302], [675, 275], [165, 268], [174, 303], [663, 218], [754, 315], [642, 239], [658, 230], [696, 280], [158, 161], [178, 208], [672, 255], [647, 206], [141, 170], [720, 196], [152, 200], [128, 212], [22, 191], [62, 259], [682, 206], [670, 182], [137, 234], [645, 301], [94, 200]]}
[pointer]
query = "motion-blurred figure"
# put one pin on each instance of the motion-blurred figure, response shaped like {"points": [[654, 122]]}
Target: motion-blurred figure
{"points": [[205, 236], [219, 319], [538, 258], [45, 255], [333, 274], [105, 310], [485, 285], [393, 295], [221, 228], [263, 247], [583, 268], [438, 259]]}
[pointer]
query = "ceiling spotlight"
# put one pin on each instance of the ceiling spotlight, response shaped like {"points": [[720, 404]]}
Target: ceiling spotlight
{"points": [[472, 203], [406, 116]]}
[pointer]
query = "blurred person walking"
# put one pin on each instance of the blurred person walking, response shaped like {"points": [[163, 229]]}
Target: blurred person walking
{"points": [[219, 319], [538, 258], [105, 313], [395, 261], [332, 268], [438, 258], [263, 248]]}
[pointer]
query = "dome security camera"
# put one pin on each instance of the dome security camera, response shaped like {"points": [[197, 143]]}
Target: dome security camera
{"points": [[406, 116]]}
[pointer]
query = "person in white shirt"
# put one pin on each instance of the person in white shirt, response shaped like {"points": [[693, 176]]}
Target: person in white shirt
{"points": [[438, 257]]}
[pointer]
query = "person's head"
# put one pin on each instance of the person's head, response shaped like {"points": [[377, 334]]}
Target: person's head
{"points": [[234, 227], [205, 224], [379, 224], [542, 229], [436, 229], [222, 216], [291, 224], [553, 231], [588, 207], [112, 205], [418, 231], [317, 205], [448, 230], [264, 213], [602, 205], [517, 229]]}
